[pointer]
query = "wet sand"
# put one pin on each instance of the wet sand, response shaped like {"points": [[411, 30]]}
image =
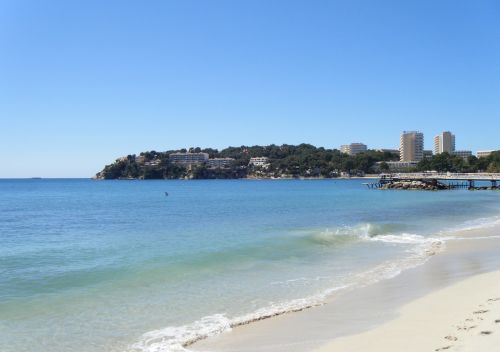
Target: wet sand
{"points": [[394, 314]]}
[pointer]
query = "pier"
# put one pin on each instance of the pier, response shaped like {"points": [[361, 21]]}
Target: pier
{"points": [[434, 181]]}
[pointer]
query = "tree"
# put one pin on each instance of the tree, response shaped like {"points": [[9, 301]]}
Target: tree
{"points": [[384, 166], [494, 166]]}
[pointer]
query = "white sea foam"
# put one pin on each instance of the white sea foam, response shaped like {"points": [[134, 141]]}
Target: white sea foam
{"points": [[473, 238], [421, 250], [300, 279], [348, 233], [404, 238], [177, 338], [475, 224]]}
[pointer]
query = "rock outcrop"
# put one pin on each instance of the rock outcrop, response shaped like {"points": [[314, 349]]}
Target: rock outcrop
{"points": [[415, 185]]}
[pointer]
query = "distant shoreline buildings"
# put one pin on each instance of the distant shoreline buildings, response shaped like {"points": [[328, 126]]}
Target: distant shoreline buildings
{"points": [[261, 161], [296, 161], [444, 142], [411, 149], [411, 146], [188, 158], [385, 150], [219, 163], [353, 148], [411, 152], [484, 153], [464, 154]]}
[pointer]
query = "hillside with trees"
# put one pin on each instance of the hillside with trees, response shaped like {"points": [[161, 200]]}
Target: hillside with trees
{"points": [[285, 161], [445, 162]]}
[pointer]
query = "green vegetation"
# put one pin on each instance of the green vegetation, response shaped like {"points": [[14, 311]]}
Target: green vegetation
{"points": [[302, 160], [292, 161], [445, 162]]}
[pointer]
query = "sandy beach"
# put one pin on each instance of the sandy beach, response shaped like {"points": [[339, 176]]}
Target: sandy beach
{"points": [[462, 317], [452, 302]]}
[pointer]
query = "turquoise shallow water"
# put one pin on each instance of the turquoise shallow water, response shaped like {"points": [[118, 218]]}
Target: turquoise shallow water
{"points": [[118, 266]]}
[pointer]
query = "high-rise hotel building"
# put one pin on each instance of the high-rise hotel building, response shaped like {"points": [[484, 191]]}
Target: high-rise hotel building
{"points": [[411, 146], [444, 142]]}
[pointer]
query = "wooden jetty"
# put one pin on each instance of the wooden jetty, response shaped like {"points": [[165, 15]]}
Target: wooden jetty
{"points": [[451, 180]]}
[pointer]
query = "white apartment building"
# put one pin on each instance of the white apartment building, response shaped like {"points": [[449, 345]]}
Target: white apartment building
{"points": [[154, 162], [188, 158], [464, 154], [411, 146], [444, 142], [353, 148], [219, 163], [394, 151], [259, 161], [484, 153], [140, 159], [428, 154], [397, 166]]}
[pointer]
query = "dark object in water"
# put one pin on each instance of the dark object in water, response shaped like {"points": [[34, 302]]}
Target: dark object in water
{"points": [[166, 194]]}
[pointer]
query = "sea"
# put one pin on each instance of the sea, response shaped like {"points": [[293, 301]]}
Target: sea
{"points": [[153, 266]]}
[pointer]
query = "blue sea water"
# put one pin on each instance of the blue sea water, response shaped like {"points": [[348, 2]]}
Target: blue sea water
{"points": [[119, 266]]}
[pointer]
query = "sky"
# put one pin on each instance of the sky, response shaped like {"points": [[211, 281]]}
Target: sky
{"points": [[85, 82]]}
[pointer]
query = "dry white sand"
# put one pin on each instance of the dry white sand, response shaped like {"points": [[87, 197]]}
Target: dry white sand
{"points": [[461, 317]]}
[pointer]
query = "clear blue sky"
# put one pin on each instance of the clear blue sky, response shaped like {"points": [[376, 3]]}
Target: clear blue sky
{"points": [[84, 82]]}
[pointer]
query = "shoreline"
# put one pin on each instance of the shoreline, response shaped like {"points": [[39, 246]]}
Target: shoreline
{"points": [[345, 318], [367, 177]]}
